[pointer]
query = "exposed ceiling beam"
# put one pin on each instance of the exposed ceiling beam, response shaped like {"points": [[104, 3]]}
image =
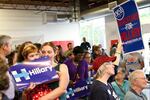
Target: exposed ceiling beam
{"points": [[39, 5], [60, 3], [104, 10]]}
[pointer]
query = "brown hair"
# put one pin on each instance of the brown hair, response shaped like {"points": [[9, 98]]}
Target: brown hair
{"points": [[20, 57], [49, 44], [4, 79]]}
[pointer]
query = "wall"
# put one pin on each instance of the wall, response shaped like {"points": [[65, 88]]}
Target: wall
{"points": [[28, 26], [111, 30], [62, 31]]}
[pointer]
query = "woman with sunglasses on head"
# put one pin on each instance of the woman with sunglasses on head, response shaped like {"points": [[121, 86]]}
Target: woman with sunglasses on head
{"points": [[59, 87]]}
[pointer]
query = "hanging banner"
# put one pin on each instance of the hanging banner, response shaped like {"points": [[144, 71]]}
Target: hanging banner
{"points": [[129, 27], [37, 71]]}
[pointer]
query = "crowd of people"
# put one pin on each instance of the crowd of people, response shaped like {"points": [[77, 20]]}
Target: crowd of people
{"points": [[115, 77]]}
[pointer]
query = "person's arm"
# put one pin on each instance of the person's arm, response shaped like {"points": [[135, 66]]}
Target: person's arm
{"points": [[26, 92], [63, 83], [118, 54]]}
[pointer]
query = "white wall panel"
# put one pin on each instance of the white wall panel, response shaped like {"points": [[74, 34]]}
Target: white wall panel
{"points": [[28, 25], [111, 30]]}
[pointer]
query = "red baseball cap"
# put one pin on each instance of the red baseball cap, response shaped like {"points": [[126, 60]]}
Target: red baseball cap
{"points": [[101, 60]]}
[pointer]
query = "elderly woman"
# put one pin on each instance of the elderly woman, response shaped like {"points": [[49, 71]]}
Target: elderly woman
{"points": [[120, 85], [100, 89]]}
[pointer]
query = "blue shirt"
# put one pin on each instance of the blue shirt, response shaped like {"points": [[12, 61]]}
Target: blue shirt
{"points": [[124, 87]]}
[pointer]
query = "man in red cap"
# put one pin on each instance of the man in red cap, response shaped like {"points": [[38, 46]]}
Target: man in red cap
{"points": [[100, 89]]}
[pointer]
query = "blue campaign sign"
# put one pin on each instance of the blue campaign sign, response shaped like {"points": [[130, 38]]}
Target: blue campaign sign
{"points": [[37, 71], [80, 89], [129, 27]]}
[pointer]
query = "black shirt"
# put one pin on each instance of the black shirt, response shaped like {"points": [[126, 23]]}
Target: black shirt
{"points": [[101, 91], [85, 45]]}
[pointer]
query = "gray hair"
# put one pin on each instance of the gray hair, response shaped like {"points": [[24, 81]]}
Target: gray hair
{"points": [[4, 39], [120, 69], [134, 75], [101, 70], [123, 70]]}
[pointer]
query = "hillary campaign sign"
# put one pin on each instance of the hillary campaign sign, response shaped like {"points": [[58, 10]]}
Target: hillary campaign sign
{"points": [[80, 89], [129, 27], [37, 71]]}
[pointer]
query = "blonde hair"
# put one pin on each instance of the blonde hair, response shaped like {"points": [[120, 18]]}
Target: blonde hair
{"points": [[30, 48]]}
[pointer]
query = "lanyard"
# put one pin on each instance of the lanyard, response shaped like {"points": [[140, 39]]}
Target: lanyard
{"points": [[120, 88]]}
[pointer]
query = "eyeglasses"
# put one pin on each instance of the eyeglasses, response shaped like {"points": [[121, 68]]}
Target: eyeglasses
{"points": [[144, 78]]}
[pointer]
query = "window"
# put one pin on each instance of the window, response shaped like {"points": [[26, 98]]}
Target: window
{"points": [[144, 15], [94, 31]]}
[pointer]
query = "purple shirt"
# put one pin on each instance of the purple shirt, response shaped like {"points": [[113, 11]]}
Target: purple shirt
{"points": [[81, 70]]}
